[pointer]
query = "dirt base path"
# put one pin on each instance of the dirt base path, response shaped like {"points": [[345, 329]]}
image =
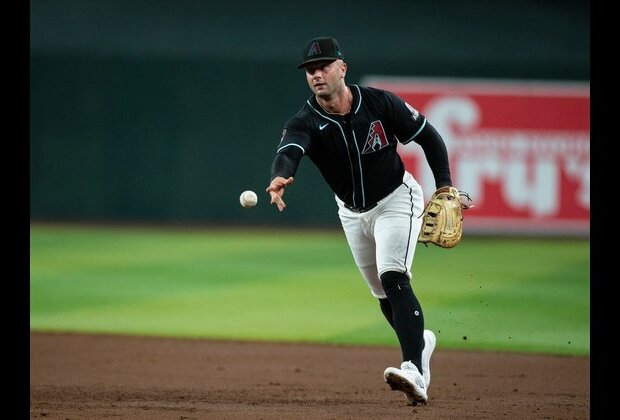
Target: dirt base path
{"points": [[75, 376]]}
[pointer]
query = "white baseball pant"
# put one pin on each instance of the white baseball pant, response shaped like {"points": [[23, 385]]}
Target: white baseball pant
{"points": [[385, 237]]}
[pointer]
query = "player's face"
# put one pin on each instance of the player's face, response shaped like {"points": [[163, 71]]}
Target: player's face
{"points": [[326, 77]]}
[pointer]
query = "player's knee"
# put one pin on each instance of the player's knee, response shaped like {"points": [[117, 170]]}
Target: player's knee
{"points": [[393, 280]]}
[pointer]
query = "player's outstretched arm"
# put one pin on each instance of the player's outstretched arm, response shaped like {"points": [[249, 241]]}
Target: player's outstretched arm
{"points": [[276, 190]]}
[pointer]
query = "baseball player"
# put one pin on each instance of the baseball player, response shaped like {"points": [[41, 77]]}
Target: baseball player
{"points": [[350, 133]]}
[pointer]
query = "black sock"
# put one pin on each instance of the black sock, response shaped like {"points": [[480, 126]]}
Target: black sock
{"points": [[386, 308], [407, 317]]}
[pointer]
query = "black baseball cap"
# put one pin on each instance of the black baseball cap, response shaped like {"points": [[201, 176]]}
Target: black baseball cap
{"points": [[322, 48]]}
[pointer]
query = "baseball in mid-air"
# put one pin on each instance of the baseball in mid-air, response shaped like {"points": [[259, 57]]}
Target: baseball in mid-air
{"points": [[248, 199]]}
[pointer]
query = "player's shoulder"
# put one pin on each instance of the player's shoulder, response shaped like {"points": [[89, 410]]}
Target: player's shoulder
{"points": [[377, 98], [368, 89], [374, 94], [371, 91], [303, 117]]}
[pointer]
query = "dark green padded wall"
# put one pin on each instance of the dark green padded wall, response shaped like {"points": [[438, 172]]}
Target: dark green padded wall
{"points": [[166, 111]]}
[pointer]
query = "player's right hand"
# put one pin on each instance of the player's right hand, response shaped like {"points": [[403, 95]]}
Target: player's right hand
{"points": [[276, 190]]}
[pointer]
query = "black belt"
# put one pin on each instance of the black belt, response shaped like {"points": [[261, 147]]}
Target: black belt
{"points": [[361, 209]]}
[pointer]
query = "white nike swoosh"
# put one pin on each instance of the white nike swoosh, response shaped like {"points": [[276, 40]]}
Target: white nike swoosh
{"points": [[323, 126]]}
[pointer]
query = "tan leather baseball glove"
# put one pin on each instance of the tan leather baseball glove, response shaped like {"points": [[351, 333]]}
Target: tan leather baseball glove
{"points": [[442, 219]]}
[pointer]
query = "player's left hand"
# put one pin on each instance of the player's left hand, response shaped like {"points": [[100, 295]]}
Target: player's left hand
{"points": [[276, 190]]}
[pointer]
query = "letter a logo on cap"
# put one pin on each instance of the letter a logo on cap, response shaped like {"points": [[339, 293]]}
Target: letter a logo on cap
{"points": [[314, 49]]}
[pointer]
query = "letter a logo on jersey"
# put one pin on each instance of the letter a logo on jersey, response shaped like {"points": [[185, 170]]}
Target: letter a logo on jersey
{"points": [[314, 49], [376, 139]]}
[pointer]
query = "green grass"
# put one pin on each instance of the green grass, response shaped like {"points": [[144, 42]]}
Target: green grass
{"points": [[300, 285]]}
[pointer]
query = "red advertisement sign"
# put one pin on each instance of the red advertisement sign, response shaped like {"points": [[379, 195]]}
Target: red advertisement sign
{"points": [[521, 149]]}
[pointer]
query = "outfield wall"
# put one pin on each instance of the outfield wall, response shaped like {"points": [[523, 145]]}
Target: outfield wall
{"points": [[152, 111]]}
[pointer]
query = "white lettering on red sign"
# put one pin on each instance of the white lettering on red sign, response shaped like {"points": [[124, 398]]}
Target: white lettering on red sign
{"points": [[520, 149], [527, 164]]}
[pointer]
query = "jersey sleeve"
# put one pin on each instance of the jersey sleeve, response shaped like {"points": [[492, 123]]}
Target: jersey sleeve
{"points": [[294, 143], [408, 121], [410, 126], [296, 135]]}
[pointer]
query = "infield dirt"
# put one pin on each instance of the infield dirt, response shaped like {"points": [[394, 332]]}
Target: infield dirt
{"points": [[75, 376]]}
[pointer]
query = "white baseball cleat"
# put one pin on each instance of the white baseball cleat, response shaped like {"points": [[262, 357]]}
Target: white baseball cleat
{"points": [[408, 380], [429, 345]]}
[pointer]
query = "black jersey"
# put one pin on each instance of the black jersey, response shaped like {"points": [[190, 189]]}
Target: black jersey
{"points": [[355, 153]]}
